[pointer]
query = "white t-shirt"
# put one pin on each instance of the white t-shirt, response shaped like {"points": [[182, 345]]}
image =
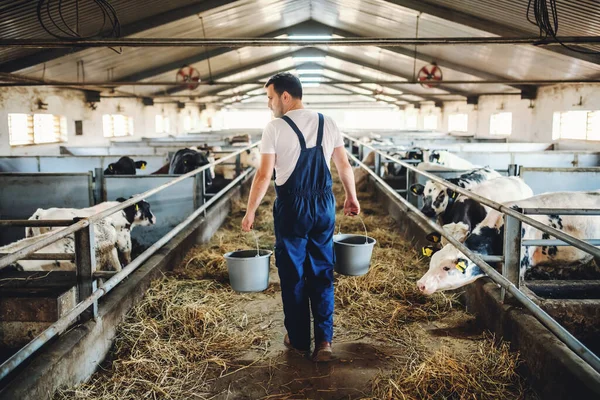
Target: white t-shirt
{"points": [[279, 138]]}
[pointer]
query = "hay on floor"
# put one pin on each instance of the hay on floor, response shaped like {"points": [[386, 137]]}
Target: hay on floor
{"points": [[489, 373]]}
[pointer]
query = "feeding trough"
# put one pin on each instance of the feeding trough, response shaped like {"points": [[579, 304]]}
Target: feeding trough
{"points": [[353, 252]]}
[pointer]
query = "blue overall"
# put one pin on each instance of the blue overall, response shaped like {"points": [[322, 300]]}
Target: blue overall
{"points": [[304, 214]]}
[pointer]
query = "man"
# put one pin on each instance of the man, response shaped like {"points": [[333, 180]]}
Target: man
{"points": [[299, 144]]}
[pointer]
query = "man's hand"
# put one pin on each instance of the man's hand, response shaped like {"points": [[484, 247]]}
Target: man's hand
{"points": [[351, 207], [247, 222]]}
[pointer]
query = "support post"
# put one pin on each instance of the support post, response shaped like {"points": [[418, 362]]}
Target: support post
{"points": [[378, 164], [513, 170], [98, 185], [238, 165], [511, 268], [85, 261]]}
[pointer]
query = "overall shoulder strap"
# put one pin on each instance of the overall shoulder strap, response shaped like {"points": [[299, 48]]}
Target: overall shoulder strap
{"points": [[320, 130], [296, 130]]}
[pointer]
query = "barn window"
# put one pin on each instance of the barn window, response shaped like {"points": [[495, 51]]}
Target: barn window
{"points": [[578, 125], [117, 125], [501, 124], [430, 122], [36, 129], [163, 125], [458, 123]]}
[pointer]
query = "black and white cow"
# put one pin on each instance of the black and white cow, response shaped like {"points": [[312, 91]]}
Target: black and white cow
{"points": [[105, 245], [187, 160], [437, 198], [447, 159], [248, 158], [460, 208], [123, 221], [125, 166], [450, 269]]}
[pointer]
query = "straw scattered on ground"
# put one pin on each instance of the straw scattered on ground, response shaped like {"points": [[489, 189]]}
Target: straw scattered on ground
{"points": [[188, 335], [489, 373]]}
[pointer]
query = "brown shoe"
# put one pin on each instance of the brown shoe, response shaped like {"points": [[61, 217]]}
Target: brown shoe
{"points": [[322, 352], [288, 344]]}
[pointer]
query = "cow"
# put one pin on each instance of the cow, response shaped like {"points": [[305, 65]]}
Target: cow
{"points": [[105, 246], [123, 221], [187, 160], [445, 158], [248, 158], [436, 197], [450, 269], [239, 140], [125, 166]]}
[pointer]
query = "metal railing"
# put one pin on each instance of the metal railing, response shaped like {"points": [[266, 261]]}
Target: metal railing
{"points": [[510, 277], [88, 293]]}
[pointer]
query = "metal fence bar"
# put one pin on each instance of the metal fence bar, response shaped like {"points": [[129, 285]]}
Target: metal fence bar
{"points": [[8, 260], [552, 242], [497, 206], [561, 211], [572, 342], [37, 222], [64, 322], [46, 256], [492, 259]]}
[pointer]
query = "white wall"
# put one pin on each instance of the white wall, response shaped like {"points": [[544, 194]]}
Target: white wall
{"points": [[531, 120], [460, 107], [563, 98], [71, 104]]}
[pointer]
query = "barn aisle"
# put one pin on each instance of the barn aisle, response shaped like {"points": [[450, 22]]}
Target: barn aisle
{"points": [[194, 338]]}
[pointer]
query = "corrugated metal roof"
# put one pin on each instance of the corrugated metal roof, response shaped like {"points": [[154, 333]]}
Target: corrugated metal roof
{"points": [[19, 18]]}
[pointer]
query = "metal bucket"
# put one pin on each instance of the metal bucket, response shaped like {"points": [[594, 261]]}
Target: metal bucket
{"points": [[248, 272], [353, 253]]}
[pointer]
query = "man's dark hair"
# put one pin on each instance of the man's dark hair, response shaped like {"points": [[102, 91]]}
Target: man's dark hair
{"points": [[286, 82]]}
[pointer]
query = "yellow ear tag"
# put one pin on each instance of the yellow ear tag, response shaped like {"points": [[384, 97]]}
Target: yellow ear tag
{"points": [[137, 208], [454, 194], [427, 252], [435, 238], [143, 166], [110, 167], [461, 266], [414, 190]]}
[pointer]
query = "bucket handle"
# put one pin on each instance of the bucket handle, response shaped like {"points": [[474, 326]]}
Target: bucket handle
{"points": [[364, 226], [256, 240]]}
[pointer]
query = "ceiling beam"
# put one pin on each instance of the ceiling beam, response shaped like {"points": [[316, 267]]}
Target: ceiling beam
{"points": [[362, 63], [237, 70], [196, 58], [428, 59], [126, 30], [485, 25]]}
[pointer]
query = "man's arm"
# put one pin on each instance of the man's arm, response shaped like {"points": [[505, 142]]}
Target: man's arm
{"points": [[259, 188], [351, 206]]}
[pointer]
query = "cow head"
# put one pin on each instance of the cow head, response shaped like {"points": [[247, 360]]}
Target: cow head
{"points": [[415, 153], [448, 269], [187, 160], [250, 158], [125, 166], [436, 197], [139, 214]]}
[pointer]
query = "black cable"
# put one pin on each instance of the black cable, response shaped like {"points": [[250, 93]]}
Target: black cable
{"points": [[53, 20], [545, 17]]}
